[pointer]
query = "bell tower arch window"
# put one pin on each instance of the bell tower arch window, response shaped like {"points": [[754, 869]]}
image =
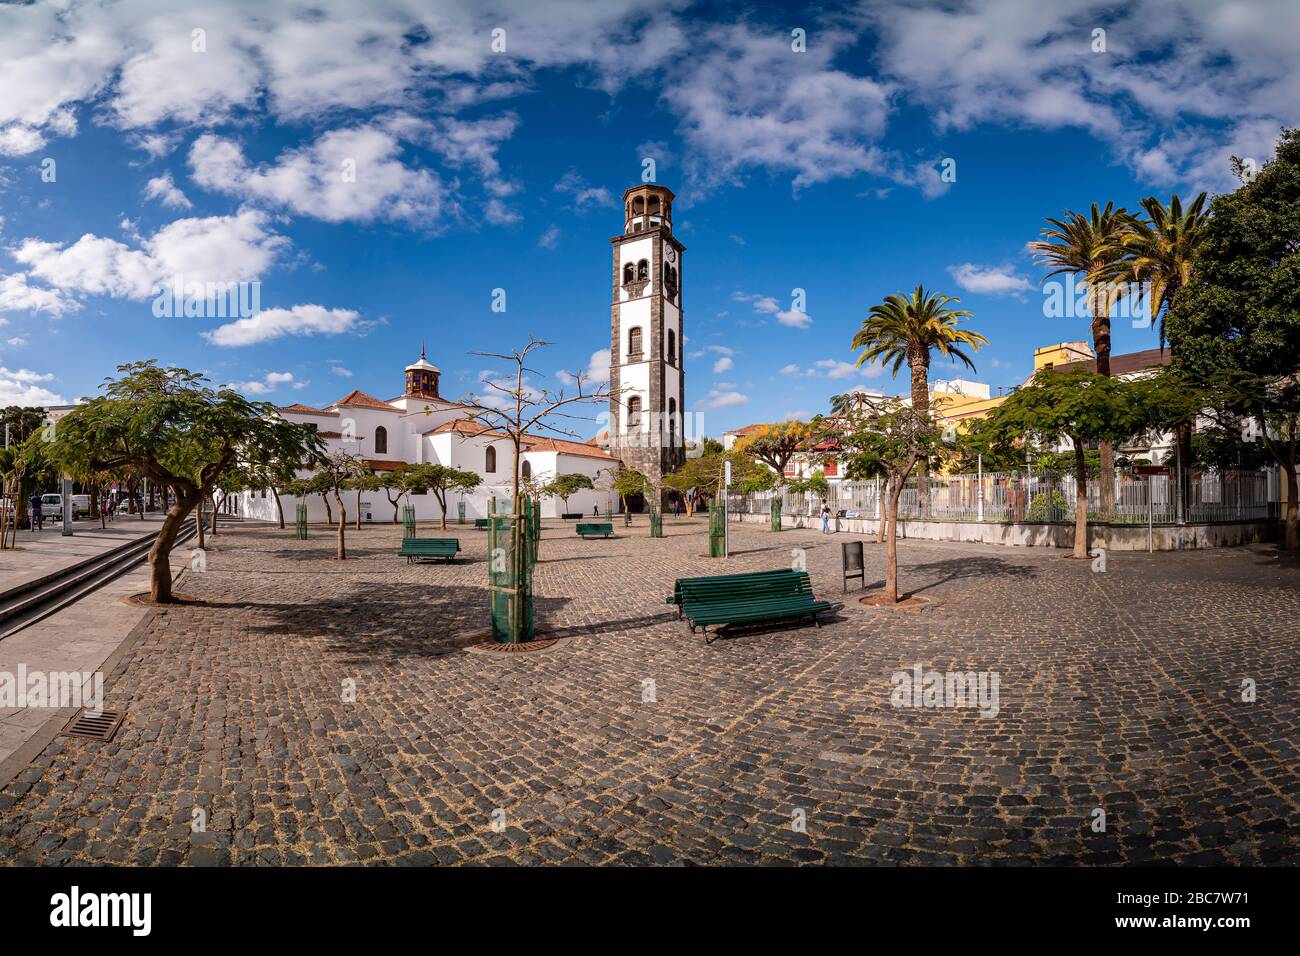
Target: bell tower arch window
{"points": [[634, 411], [634, 343], [672, 347]]}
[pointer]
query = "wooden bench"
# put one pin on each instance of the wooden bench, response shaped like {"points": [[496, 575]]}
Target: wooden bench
{"points": [[481, 524], [746, 599], [591, 529], [420, 549]]}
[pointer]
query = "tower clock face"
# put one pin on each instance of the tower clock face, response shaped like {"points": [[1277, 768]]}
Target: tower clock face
{"points": [[671, 254]]}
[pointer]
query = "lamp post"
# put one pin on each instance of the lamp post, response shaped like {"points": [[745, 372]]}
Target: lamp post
{"points": [[67, 506]]}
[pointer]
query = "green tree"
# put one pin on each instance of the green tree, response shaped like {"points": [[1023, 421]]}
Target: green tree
{"points": [[1235, 327], [886, 438], [395, 488], [566, 485], [774, 445], [1160, 249], [171, 426], [440, 480], [368, 481], [337, 470], [1080, 406]]}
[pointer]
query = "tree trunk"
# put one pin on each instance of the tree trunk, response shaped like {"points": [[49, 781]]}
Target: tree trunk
{"points": [[442, 503], [279, 507], [1101, 346], [1080, 501], [198, 519], [1291, 517], [160, 569], [342, 552], [396, 505], [884, 518], [329, 514], [891, 546], [213, 500], [358, 509], [920, 362]]}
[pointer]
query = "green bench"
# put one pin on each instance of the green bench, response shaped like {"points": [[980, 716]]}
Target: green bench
{"points": [[746, 599], [420, 549], [481, 524], [591, 529]]}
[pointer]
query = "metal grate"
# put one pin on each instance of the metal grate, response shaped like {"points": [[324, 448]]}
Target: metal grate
{"points": [[97, 726]]}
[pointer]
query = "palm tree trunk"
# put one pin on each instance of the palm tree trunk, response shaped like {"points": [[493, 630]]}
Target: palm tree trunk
{"points": [[920, 362], [1101, 346], [1080, 500]]}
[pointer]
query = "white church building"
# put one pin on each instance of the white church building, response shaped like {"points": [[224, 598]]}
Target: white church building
{"points": [[421, 427]]}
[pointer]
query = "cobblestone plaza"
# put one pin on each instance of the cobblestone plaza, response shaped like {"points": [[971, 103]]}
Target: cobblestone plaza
{"points": [[327, 713]]}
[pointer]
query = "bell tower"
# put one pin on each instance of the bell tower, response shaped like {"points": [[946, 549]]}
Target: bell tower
{"points": [[422, 378], [647, 381]]}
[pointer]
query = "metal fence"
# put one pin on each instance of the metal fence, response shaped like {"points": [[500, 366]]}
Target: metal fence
{"points": [[1041, 498]]}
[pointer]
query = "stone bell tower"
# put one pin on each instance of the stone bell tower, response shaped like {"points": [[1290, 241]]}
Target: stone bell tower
{"points": [[647, 382]]}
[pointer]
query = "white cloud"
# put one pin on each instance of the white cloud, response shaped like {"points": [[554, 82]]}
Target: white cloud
{"points": [[16, 342], [832, 368], [722, 365], [21, 387], [341, 372], [791, 369], [236, 248], [549, 238], [272, 324], [269, 383], [598, 367], [718, 398], [989, 280], [584, 194], [795, 320], [349, 174], [164, 189], [19, 140], [766, 305], [17, 296]]}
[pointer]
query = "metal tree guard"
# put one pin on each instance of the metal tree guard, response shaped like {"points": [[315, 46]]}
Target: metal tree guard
{"points": [[718, 529], [511, 556], [300, 521], [408, 522], [776, 512]]}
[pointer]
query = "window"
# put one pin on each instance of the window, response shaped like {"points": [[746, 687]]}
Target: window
{"points": [[672, 346], [652, 207], [528, 471], [381, 440], [490, 460], [634, 411], [642, 270], [672, 421], [638, 206], [629, 273], [634, 341], [670, 281]]}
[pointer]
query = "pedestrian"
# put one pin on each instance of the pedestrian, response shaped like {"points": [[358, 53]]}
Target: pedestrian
{"points": [[34, 507], [826, 519]]}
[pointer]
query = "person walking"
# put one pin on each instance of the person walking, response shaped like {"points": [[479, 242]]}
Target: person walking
{"points": [[34, 509], [826, 518]]}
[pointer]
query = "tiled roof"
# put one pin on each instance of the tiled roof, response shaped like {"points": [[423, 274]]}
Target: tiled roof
{"points": [[359, 398], [376, 464], [747, 429], [1125, 364], [531, 442], [306, 410]]}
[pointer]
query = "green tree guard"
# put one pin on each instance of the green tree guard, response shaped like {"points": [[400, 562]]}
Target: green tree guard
{"points": [[776, 513], [300, 521], [717, 529], [656, 523], [408, 522]]}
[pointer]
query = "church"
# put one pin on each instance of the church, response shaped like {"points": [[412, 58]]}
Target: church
{"points": [[419, 426]]}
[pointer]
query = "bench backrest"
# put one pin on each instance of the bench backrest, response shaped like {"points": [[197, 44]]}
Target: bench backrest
{"points": [[595, 527], [760, 585]]}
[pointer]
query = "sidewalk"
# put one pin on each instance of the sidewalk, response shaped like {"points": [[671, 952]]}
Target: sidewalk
{"points": [[81, 637], [42, 553]]}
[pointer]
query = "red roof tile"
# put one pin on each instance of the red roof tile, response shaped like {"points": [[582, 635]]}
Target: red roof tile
{"points": [[358, 398]]}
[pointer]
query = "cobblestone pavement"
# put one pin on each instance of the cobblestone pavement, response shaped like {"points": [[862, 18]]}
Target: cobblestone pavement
{"points": [[633, 742]]}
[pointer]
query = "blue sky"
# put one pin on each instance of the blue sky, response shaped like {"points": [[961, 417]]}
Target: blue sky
{"points": [[479, 169]]}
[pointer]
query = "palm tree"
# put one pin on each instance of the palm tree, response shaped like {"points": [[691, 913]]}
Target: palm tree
{"points": [[903, 329], [1161, 248], [1091, 245]]}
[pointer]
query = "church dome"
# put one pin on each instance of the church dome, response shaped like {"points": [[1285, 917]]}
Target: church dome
{"points": [[422, 377]]}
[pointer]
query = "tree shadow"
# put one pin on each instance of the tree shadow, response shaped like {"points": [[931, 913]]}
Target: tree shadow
{"points": [[965, 569], [377, 623]]}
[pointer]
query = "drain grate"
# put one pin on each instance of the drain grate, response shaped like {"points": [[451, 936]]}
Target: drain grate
{"points": [[97, 726]]}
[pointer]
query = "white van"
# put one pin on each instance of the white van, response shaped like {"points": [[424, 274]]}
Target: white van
{"points": [[52, 506]]}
